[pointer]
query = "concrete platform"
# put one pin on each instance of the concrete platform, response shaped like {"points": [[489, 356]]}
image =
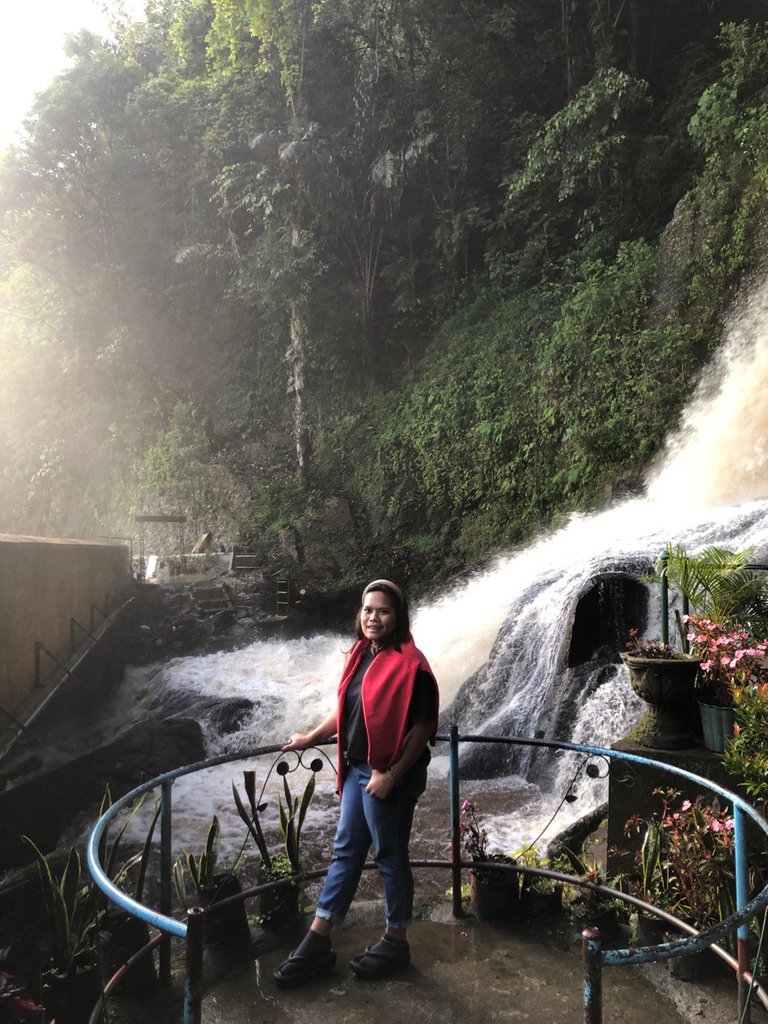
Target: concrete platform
{"points": [[462, 972]]}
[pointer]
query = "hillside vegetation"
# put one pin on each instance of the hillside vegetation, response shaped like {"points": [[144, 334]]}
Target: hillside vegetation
{"points": [[372, 285]]}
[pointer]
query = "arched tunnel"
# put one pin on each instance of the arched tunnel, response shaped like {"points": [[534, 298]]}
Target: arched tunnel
{"points": [[614, 603]]}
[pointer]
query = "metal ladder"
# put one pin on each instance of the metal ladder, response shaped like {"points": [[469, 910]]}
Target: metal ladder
{"points": [[282, 596]]}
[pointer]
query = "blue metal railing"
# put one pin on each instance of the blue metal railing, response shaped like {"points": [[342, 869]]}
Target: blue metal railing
{"points": [[192, 930]]}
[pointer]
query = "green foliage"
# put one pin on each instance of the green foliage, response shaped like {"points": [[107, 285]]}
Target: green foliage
{"points": [[173, 467], [685, 862], [582, 147], [292, 816], [729, 127], [732, 112], [532, 407], [720, 585], [70, 911], [201, 868], [746, 754], [253, 820], [118, 871], [458, 219]]}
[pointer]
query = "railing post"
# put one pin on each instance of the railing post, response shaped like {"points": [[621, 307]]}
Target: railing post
{"points": [[742, 898], [686, 613], [455, 819], [664, 610], [593, 976], [166, 870], [193, 982]]}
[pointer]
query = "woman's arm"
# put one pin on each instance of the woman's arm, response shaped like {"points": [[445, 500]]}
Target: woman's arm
{"points": [[302, 740], [382, 783]]}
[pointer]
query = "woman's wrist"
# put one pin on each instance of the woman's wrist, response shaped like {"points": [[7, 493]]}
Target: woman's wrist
{"points": [[394, 772]]}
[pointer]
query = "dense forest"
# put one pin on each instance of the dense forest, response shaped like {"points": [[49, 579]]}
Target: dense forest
{"points": [[372, 284]]}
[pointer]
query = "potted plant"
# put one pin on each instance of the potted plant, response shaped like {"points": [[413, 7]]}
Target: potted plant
{"points": [[281, 902], [730, 662], [589, 908], [648, 878], [228, 926], [122, 934], [70, 983], [665, 679], [721, 588], [685, 864], [494, 892], [538, 895]]}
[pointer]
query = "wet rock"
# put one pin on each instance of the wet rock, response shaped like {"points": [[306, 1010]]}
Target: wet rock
{"points": [[46, 805]]}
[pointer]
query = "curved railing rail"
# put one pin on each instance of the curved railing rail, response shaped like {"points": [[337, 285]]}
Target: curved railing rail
{"points": [[192, 930]]}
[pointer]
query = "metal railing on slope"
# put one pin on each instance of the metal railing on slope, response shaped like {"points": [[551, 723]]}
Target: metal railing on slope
{"points": [[595, 957]]}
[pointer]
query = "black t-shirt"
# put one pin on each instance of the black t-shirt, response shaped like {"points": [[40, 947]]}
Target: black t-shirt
{"points": [[423, 709]]}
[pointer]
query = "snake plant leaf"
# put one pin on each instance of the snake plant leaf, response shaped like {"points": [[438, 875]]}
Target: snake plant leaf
{"points": [[193, 869], [178, 881], [70, 880], [283, 818], [57, 912], [146, 852], [650, 854], [125, 868], [241, 808], [252, 821], [249, 780], [306, 800]]}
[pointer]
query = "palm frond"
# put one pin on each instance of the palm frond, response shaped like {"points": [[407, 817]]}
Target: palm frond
{"points": [[719, 584]]}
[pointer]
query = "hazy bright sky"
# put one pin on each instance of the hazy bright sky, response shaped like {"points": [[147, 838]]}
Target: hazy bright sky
{"points": [[31, 40]]}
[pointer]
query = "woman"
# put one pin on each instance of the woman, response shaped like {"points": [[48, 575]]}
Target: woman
{"points": [[386, 715]]}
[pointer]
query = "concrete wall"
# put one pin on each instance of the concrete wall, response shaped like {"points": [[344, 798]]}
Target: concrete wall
{"points": [[44, 583]]}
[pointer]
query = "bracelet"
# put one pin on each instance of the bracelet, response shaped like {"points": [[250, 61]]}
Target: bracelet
{"points": [[395, 775]]}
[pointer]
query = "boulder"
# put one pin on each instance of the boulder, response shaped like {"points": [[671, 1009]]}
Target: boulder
{"points": [[43, 807]]}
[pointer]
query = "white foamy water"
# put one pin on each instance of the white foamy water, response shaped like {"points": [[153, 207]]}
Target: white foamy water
{"points": [[709, 490], [720, 454]]}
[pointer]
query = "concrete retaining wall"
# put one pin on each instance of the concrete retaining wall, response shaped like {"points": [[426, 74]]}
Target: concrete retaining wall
{"points": [[44, 583]]}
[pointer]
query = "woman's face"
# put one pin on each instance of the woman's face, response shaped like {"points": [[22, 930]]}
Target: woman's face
{"points": [[378, 618]]}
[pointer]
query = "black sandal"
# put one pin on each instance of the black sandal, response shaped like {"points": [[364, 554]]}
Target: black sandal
{"points": [[380, 960], [300, 967]]}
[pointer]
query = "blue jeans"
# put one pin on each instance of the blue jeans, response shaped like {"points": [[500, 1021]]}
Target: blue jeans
{"points": [[365, 821]]}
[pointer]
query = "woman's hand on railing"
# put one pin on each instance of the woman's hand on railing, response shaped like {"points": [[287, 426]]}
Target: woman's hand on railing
{"points": [[302, 740], [298, 741]]}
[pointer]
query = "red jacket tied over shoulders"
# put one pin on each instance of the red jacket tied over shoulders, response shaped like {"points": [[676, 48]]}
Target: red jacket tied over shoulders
{"points": [[386, 694]]}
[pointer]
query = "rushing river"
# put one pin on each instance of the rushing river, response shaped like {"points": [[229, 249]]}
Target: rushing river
{"points": [[509, 627]]}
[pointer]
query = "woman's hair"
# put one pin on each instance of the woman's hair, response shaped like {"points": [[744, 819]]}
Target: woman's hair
{"points": [[402, 630]]}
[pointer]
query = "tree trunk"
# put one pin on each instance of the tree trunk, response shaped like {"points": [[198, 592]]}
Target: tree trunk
{"points": [[298, 367], [570, 77], [601, 28]]}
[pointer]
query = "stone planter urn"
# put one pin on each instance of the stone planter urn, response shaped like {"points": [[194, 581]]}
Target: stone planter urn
{"points": [[667, 687]]}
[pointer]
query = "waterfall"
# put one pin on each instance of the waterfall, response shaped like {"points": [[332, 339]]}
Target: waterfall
{"points": [[526, 647]]}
